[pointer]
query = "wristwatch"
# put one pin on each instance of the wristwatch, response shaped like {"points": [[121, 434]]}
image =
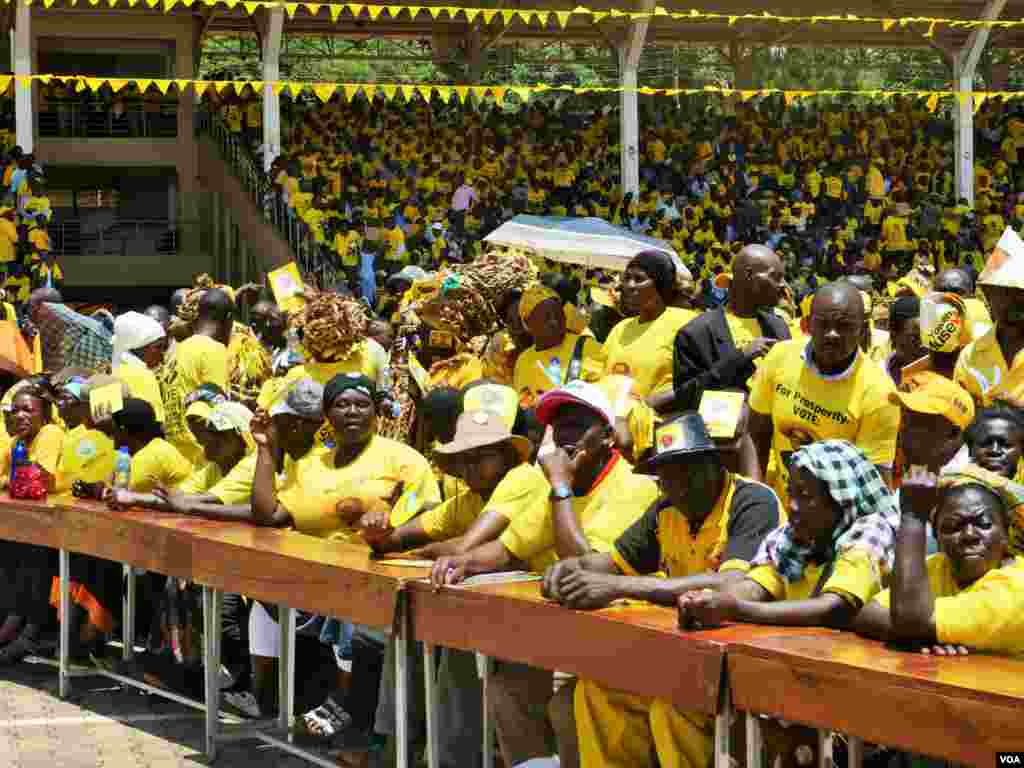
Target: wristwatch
{"points": [[561, 492]]}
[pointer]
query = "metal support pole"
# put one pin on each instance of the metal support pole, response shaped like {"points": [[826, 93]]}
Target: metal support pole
{"points": [[64, 650], [272, 99], [128, 625], [286, 670], [24, 114], [432, 701], [965, 64], [400, 638], [485, 665], [755, 742], [723, 727], [213, 601], [629, 61]]}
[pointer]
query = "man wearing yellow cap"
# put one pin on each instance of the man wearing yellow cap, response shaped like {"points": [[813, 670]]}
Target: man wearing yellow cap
{"points": [[983, 368], [934, 412]]}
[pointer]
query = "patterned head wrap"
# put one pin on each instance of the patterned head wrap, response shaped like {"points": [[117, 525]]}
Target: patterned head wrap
{"points": [[228, 416], [1010, 492], [533, 297], [869, 519], [333, 326]]}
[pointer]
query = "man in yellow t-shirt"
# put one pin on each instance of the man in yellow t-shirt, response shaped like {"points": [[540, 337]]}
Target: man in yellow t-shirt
{"points": [[594, 496], [701, 533], [805, 391], [982, 368], [202, 358], [557, 356]]}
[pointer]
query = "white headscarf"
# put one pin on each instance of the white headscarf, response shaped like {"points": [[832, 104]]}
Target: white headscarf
{"points": [[132, 331]]}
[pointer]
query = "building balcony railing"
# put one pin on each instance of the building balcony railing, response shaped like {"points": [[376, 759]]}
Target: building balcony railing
{"points": [[71, 119], [123, 237]]}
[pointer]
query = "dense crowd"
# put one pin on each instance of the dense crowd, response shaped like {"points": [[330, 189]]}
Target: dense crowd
{"points": [[831, 186], [751, 433]]}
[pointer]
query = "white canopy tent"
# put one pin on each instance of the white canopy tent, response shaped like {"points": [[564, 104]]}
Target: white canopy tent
{"points": [[589, 242]]}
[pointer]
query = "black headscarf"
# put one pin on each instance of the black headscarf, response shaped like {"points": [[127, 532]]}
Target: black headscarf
{"points": [[346, 381], [137, 417], [659, 267]]}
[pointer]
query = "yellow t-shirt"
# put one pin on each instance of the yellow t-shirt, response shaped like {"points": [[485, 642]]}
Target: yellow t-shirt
{"points": [[981, 369], [618, 499], [159, 463], [537, 372], [726, 541], [643, 351], [86, 455], [202, 479], [986, 616], [368, 358], [201, 360], [855, 578], [44, 450], [8, 239], [142, 383], [236, 486], [313, 492], [522, 488], [853, 406], [743, 330]]}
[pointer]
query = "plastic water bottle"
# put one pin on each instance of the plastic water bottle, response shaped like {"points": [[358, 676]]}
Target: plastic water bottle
{"points": [[122, 468], [19, 457]]}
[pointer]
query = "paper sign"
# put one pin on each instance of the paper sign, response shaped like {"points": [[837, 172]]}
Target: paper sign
{"points": [[106, 401], [419, 374], [286, 283], [721, 412]]}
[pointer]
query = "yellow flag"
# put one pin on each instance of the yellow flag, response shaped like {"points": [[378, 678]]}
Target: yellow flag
{"points": [[168, 5], [162, 85], [444, 93], [747, 95], [374, 11], [183, 84], [143, 85], [599, 16], [562, 16], [931, 30], [251, 8], [324, 91], [522, 93], [117, 85], [355, 10], [5, 82], [370, 91], [335, 11], [312, 8], [979, 99], [277, 87], [257, 86], [508, 16], [471, 14], [462, 90], [290, 9], [887, 24], [489, 16], [434, 11], [963, 97], [389, 91], [350, 91], [499, 93], [414, 10]]}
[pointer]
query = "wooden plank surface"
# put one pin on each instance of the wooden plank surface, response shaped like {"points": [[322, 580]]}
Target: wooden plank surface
{"points": [[635, 647], [963, 709], [274, 565]]}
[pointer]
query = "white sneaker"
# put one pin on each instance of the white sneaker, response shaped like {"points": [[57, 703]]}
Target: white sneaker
{"points": [[243, 701]]}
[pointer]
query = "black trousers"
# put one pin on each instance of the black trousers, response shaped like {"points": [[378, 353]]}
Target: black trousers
{"points": [[26, 574]]}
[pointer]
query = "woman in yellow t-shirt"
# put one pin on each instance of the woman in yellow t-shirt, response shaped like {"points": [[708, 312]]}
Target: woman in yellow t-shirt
{"points": [[641, 346], [26, 569], [827, 562], [155, 462], [363, 473], [970, 595], [556, 356]]}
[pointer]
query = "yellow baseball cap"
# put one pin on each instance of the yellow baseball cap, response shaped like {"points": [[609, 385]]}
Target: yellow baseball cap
{"points": [[929, 392]]}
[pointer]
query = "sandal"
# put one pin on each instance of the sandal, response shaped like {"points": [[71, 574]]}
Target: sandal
{"points": [[326, 721], [24, 645]]}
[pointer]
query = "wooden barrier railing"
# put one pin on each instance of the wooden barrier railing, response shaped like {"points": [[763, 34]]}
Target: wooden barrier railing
{"points": [[960, 709]]}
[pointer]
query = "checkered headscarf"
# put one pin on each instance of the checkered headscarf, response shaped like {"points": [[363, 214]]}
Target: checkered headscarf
{"points": [[70, 339], [870, 516]]}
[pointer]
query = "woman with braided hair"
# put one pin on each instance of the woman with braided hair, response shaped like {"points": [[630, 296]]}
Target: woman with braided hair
{"points": [[333, 331]]}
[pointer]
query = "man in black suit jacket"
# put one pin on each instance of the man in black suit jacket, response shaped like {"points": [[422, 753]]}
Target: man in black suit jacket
{"points": [[705, 354]]}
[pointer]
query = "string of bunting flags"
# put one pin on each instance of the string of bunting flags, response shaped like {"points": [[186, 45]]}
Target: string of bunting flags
{"points": [[325, 91], [542, 17]]}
